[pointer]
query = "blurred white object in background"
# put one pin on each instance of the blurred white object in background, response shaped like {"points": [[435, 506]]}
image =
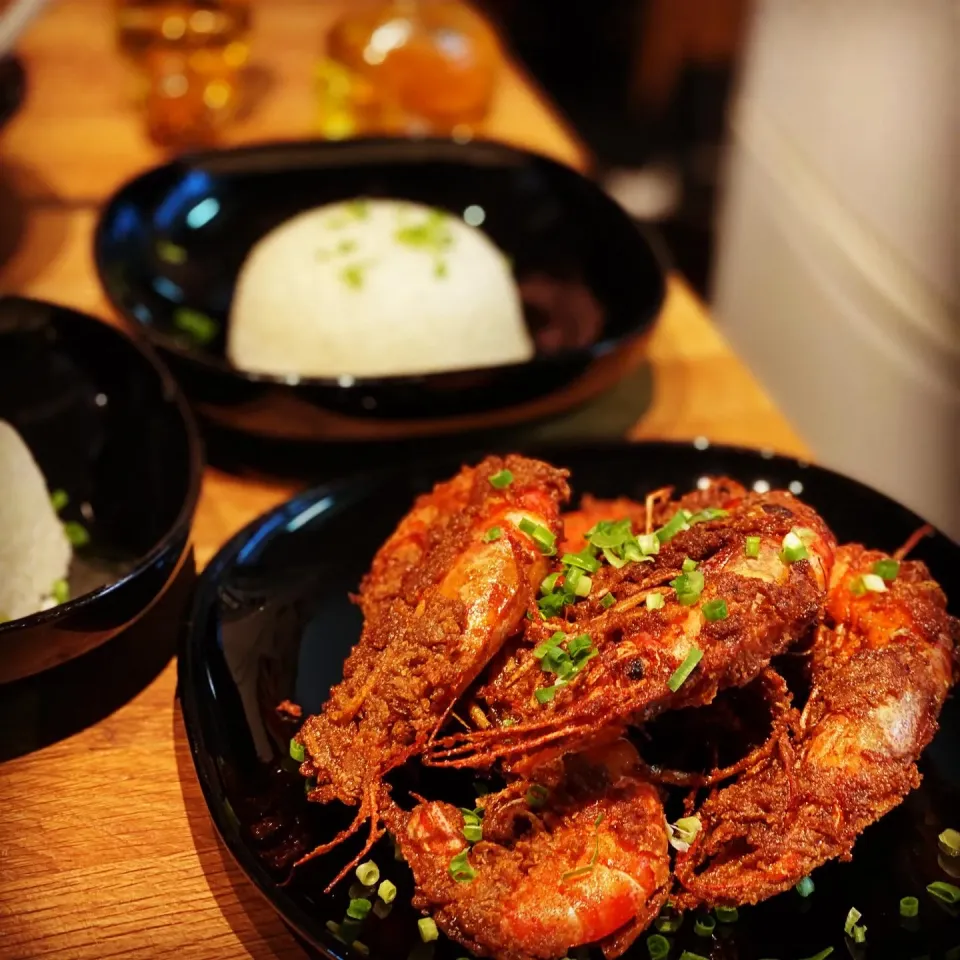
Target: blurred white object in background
{"points": [[838, 252]]}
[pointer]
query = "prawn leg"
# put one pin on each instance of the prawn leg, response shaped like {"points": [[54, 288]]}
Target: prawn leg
{"points": [[883, 663]]}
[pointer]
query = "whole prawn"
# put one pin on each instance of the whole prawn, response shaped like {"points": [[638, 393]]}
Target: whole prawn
{"points": [[768, 602], [581, 857], [444, 592], [883, 663]]}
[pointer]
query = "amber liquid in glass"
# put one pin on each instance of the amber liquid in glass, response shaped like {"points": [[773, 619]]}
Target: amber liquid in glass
{"points": [[189, 56], [408, 66]]}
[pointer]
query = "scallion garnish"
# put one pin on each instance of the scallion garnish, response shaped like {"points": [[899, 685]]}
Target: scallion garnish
{"points": [[550, 606], [571, 579], [494, 533], [856, 931], [428, 929], [654, 601], [822, 955], [584, 560], [359, 908], [610, 533], [549, 583], [297, 751], [460, 868], [688, 955], [751, 547], [658, 947], [76, 533], [679, 676], [867, 582], [669, 921], [501, 479], [543, 538], [805, 887], [726, 914], [649, 544], [715, 609], [537, 796], [683, 833], [708, 513], [60, 591], [59, 499], [381, 909], [689, 586], [949, 842], [887, 569], [944, 891], [545, 694], [688, 565], [387, 891], [672, 527], [611, 558], [704, 926], [199, 326], [368, 873], [607, 601], [793, 548], [909, 907], [472, 824]]}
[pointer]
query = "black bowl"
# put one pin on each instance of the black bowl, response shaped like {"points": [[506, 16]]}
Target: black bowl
{"points": [[590, 280], [108, 425], [272, 620], [13, 83]]}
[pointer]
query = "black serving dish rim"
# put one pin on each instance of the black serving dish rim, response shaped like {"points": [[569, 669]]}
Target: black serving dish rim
{"points": [[184, 518], [221, 365]]}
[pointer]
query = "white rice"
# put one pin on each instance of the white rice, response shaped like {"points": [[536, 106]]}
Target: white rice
{"points": [[375, 288], [34, 550]]}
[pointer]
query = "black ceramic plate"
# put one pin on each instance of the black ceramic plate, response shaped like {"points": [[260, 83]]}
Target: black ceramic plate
{"points": [[590, 281], [272, 620], [107, 424]]}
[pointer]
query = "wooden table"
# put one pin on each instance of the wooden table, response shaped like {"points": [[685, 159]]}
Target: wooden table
{"points": [[105, 846]]}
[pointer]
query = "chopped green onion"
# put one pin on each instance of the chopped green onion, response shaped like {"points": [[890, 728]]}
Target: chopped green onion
{"points": [[687, 955], [704, 926], [571, 578], [649, 544], [751, 547], [688, 565], [887, 569], [60, 591], [611, 558], [658, 947], [708, 513], [610, 533], [949, 842], [368, 873], [387, 891], [545, 694], [946, 892], [460, 868], [683, 833], [873, 583], [689, 586], [856, 931], [679, 676], [552, 605], [607, 601], [822, 955], [537, 796], [494, 533], [297, 751], [715, 609], [382, 909], [727, 914], [59, 499], [428, 929], [543, 538], [472, 825], [585, 560], [76, 533], [794, 548], [654, 601], [548, 584], [671, 922], [584, 586], [672, 527], [198, 325], [580, 645], [501, 479], [309, 784], [359, 908], [909, 907], [805, 887]]}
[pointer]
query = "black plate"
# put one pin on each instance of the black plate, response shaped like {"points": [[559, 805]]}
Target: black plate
{"points": [[552, 222], [107, 424], [13, 82], [272, 620]]}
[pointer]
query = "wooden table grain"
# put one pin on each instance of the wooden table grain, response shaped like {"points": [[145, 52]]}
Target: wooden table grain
{"points": [[105, 846]]}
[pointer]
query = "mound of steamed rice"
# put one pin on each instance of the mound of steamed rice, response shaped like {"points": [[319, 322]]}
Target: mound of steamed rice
{"points": [[34, 550], [371, 288]]}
